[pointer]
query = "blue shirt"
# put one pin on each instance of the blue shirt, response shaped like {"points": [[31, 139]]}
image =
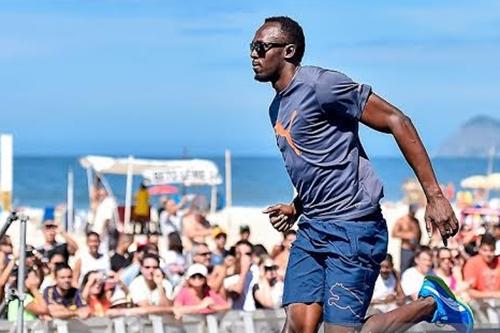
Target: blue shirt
{"points": [[316, 119]]}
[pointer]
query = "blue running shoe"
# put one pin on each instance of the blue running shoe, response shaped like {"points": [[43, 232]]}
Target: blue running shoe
{"points": [[449, 310]]}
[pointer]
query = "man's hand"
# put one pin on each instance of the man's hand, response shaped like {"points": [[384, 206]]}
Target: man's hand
{"points": [[281, 216], [440, 215]]}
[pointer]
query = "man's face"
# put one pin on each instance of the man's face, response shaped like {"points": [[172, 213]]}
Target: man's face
{"points": [[171, 207], [445, 260], [487, 252], [203, 255], [149, 266], [220, 241], [385, 269], [56, 259], [49, 232], [424, 263], [63, 279], [242, 250], [93, 244], [267, 63]]}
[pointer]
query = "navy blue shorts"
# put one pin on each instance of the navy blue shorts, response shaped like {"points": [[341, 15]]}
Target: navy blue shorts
{"points": [[336, 263]]}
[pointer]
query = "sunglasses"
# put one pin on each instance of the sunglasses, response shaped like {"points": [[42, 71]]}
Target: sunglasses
{"points": [[270, 268], [205, 254], [197, 276], [50, 226], [261, 48]]}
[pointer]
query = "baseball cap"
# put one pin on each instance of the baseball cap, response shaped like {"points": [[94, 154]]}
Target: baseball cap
{"points": [[196, 269], [217, 231]]}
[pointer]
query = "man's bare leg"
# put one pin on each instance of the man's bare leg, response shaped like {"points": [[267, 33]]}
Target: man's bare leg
{"points": [[395, 321], [303, 318]]}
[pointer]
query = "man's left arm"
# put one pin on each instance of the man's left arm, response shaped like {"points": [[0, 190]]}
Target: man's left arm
{"points": [[384, 117]]}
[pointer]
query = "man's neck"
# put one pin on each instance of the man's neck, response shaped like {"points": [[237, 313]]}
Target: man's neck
{"points": [[285, 77], [62, 292]]}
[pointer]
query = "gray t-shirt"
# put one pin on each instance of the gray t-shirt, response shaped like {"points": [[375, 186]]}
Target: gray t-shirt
{"points": [[315, 120]]}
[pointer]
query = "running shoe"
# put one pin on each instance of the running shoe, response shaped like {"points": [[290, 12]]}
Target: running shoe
{"points": [[449, 310]]}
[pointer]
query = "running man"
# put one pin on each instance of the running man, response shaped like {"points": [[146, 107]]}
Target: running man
{"points": [[342, 236]]}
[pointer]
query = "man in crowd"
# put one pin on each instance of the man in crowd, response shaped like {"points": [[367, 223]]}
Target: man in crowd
{"points": [[50, 232], [387, 294], [170, 218], [151, 288], [413, 277], [281, 257], [482, 272], [407, 229], [220, 251], [90, 259], [268, 291], [63, 300], [245, 232]]}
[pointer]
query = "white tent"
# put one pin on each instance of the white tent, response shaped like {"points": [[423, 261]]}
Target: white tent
{"points": [[157, 172]]}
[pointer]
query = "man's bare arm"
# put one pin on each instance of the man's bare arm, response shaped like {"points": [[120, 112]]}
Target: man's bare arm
{"points": [[384, 117]]}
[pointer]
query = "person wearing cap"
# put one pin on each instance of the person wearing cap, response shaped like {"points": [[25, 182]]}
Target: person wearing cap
{"points": [[50, 232], [220, 251], [196, 297], [268, 291]]}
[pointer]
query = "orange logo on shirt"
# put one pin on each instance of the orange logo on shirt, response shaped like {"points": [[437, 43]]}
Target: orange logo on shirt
{"points": [[286, 133]]}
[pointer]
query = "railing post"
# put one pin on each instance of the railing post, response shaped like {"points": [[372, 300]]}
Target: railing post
{"points": [[61, 326], [157, 323], [212, 324], [119, 325], [248, 322]]}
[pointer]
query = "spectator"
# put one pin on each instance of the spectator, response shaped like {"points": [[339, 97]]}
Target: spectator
{"points": [[90, 259], [449, 272], [105, 209], [99, 292], [122, 257], [151, 288], [268, 291], [34, 303], [259, 253], [201, 254], [174, 259], [50, 277], [413, 277], [239, 286], [197, 296], [245, 232], [50, 232], [195, 228], [141, 206], [6, 251], [407, 229], [220, 251], [170, 218], [482, 272], [63, 300], [281, 258], [388, 293]]}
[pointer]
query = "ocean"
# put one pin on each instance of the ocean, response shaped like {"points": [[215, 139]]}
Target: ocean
{"points": [[257, 181]]}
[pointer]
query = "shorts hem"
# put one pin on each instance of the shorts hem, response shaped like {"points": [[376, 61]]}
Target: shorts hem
{"points": [[287, 303], [347, 324]]}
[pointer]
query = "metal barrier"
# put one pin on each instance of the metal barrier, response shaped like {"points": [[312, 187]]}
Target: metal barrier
{"points": [[261, 321]]}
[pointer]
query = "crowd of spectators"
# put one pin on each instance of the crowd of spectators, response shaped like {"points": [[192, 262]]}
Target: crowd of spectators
{"points": [[194, 271], [187, 267], [470, 266]]}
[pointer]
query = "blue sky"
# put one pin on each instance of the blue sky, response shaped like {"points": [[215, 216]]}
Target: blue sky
{"points": [[157, 77]]}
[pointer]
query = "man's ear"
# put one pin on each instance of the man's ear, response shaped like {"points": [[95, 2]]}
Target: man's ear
{"points": [[290, 51]]}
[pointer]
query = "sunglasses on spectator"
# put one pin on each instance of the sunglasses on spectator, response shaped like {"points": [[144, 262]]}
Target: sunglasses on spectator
{"points": [[270, 268], [50, 226], [446, 258], [261, 47]]}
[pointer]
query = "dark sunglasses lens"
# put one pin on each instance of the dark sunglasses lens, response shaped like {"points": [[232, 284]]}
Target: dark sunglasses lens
{"points": [[259, 48]]}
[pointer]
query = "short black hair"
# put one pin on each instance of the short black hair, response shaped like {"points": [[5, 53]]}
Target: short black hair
{"points": [[150, 255], [60, 267], [488, 239], [93, 233], [294, 33]]}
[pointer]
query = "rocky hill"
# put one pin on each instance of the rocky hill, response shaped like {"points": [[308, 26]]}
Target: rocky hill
{"points": [[473, 139]]}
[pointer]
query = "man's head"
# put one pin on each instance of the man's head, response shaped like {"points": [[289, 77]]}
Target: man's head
{"points": [[423, 260], [220, 237], [243, 247], [49, 231], [93, 242], [279, 42], [6, 245], [487, 248], [270, 270], [288, 237], [64, 275], [149, 264], [386, 267], [201, 254], [244, 232], [445, 259], [55, 258], [171, 206]]}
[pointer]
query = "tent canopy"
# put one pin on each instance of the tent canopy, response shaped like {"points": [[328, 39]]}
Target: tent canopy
{"points": [[158, 172]]}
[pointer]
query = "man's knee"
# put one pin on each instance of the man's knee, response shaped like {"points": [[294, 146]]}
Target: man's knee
{"points": [[372, 325], [295, 324]]}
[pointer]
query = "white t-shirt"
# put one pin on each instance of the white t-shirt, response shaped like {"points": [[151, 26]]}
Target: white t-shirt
{"points": [[89, 263], [412, 280], [139, 291], [384, 288], [245, 300]]}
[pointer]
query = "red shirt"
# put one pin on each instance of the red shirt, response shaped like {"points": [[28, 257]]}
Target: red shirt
{"points": [[483, 277], [187, 297]]}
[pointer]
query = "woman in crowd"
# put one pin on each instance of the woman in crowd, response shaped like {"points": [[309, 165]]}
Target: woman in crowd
{"points": [[34, 305], [99, 292], [196, 296], [451, 272], [174, 260]]}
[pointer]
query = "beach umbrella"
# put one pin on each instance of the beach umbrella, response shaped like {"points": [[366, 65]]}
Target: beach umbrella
{"points": [[475, 182], [162, 190], [494, 181]]}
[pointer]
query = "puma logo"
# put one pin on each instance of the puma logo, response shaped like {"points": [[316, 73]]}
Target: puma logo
{"points": [[286, 132]]}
